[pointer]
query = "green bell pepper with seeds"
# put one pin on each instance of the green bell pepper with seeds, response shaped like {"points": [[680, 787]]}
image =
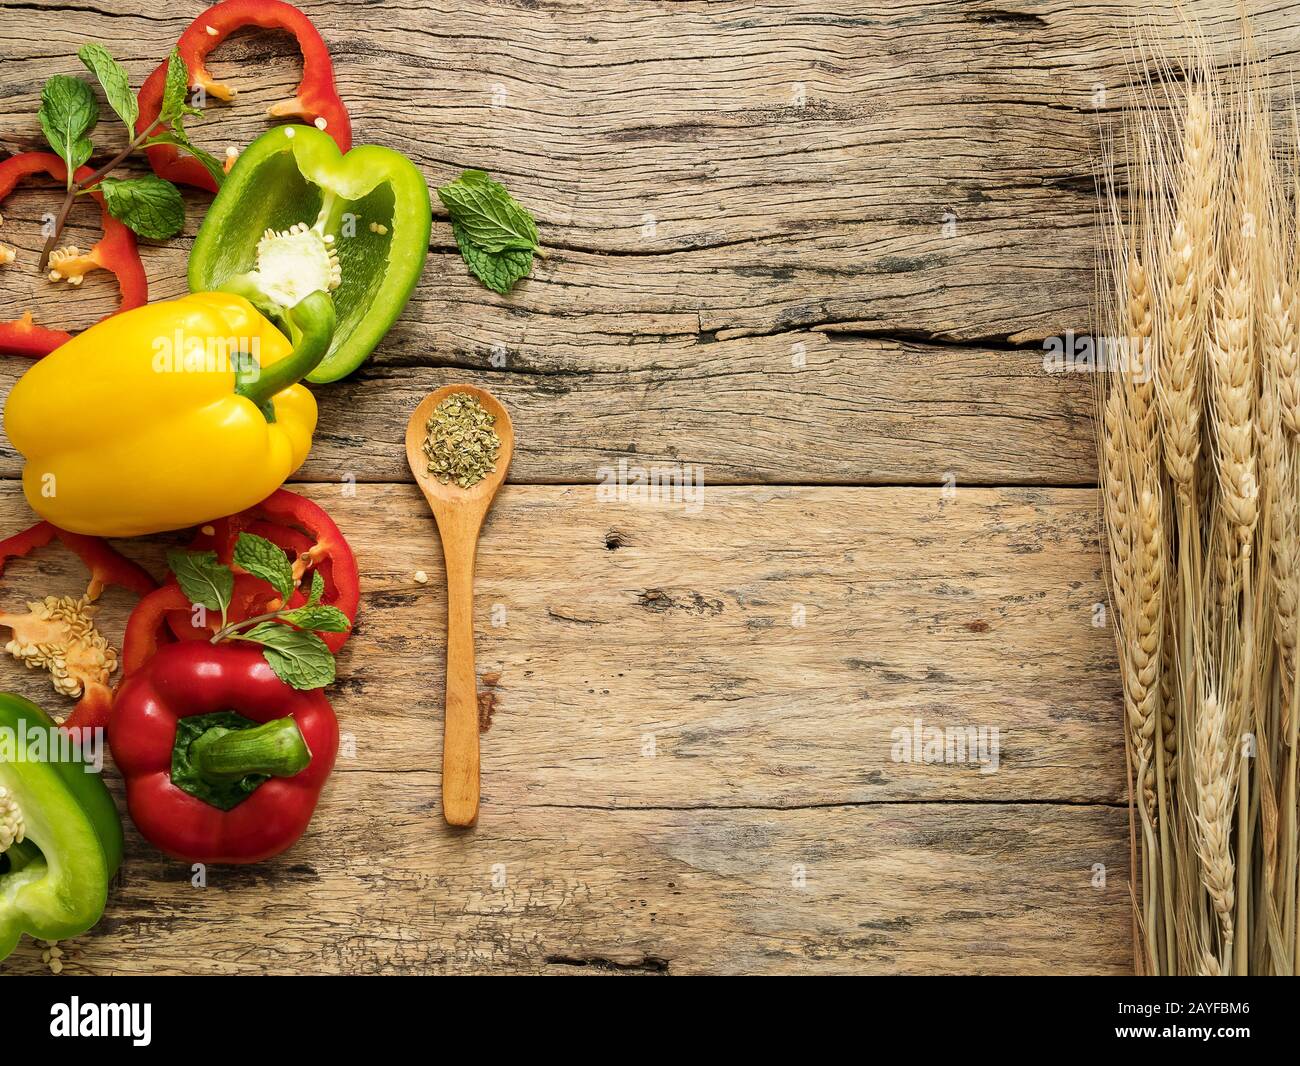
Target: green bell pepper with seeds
{"points": [[60, 835], [296, 215]]}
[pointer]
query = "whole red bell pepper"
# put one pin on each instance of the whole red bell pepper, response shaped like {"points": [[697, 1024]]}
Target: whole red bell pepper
{"points": [[115, 251], [316, 98], [223, 761]]}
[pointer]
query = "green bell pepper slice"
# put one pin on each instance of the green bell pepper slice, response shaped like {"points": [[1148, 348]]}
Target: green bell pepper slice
{"points": [[296, 215], [54, 882]]}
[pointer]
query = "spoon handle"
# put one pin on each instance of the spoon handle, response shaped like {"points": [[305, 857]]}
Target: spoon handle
{"points": [[460, 771]]}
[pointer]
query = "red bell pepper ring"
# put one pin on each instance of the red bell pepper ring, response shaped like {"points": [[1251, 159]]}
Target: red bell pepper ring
{"points": [[106, 568], [316, 98], [197, 679], [115, 251], [307, 533], [144, 629]]}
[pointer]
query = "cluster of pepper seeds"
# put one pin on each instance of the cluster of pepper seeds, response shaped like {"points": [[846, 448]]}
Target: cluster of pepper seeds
{"points": [[461, 444], [12, 827], [60, 636]]}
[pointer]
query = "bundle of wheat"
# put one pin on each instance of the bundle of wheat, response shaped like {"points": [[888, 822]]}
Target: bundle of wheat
{"points": [[1199, 437]]}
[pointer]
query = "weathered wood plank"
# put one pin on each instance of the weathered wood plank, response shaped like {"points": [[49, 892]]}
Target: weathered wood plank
{"points": [[797, 161], [689, 199], [920, 888], [854, 411], [671, 669]]}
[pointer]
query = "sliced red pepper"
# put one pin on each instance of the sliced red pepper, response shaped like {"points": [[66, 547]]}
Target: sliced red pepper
{"points": [[316, 98], [106, 568], [115, 251], [144, 629], [286, 519]]}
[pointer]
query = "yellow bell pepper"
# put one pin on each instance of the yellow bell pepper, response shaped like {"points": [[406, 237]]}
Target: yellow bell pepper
{"points": [[169, 415]]}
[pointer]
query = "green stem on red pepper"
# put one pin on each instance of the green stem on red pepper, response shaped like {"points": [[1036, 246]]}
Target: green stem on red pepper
{"points": [[275, 748]]}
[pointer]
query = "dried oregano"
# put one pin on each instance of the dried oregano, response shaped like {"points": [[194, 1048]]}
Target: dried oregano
{"points": [[461, 444]]}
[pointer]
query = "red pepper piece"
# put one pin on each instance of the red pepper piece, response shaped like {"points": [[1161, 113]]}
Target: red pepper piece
{"points": [[200, 678], [115, 251], [316, 97], [144, 629], [303, 530], [106, 568]]}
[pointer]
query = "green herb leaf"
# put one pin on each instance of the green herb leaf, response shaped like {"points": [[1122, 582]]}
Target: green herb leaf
{"points": [[203, 578], [298, 658], [320, 618], [149, 205], [487, 214], [497, 270], [263, 559], [68, 112], [176, 91], [113, 78], [317, 588]]}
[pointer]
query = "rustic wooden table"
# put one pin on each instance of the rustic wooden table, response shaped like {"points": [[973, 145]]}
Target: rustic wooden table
{"points": [[814, 249]]}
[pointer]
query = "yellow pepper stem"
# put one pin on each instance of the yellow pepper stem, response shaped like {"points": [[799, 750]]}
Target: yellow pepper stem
{"points": [[311, 326]]}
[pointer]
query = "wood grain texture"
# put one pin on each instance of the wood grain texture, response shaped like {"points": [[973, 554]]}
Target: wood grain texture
{"points": [[922, 888], [718, 185], [977, 611], [666, 750], [800, 245]]}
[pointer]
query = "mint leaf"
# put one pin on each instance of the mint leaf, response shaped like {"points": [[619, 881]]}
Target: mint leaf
{"points": [[176, 91], [113, 78], [263, 559], [298, 658], [203, 578], [68, 112], [151, 206], [497, 270], [317, 588], [320, 618], [487, 214]]}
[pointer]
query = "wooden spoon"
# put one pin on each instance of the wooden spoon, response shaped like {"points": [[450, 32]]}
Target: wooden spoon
{"points": [[459, 513]]}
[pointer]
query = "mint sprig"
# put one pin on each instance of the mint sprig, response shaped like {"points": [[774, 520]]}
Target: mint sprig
{"points": [[149, 206], [288, 635], [176, 90], [203, 578], [263, 559], [496, 236], [299, 658]]}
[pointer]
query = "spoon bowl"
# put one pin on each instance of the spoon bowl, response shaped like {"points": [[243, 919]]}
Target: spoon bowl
{"points": [[450, 495], [459, 514]]}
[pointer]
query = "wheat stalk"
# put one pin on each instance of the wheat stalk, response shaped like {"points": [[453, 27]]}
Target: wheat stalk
{"points": [[1200, 483]]}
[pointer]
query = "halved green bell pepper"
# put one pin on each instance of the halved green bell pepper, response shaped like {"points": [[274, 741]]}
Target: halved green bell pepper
{"points": [[60, 835], [295, 215]]}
